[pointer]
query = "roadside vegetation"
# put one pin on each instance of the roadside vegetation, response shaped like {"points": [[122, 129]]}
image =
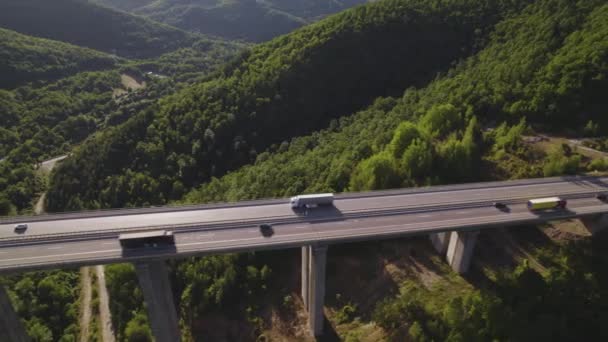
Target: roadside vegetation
{"points": [[47, 302]]}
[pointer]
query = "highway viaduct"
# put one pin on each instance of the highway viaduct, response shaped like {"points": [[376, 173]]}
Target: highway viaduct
{"points": [[451, 215]]}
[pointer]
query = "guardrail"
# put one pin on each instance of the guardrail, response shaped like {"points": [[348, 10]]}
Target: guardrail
{"points": [[271, 201], [279, 220], [319, 237]]}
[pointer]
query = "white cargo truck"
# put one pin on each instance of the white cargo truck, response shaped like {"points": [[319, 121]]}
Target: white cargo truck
{"points": [[302, 201]]}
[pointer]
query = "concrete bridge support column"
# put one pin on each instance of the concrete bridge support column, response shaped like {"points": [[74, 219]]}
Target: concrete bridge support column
{"points": [[595, 223], [11, 328], [440, 241], [154, 281], [460, 250], [314, 260], [305, 273]]}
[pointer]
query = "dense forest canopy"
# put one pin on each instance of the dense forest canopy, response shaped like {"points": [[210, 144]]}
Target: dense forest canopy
{"points": [[24, 59], [52, 102], [290, 86], [433, 134], [83, 23]]}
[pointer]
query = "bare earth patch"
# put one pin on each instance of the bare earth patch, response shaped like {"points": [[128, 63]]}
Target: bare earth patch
{"points": [[128, 83], [107, 333], [566, 230], [85, 303]]}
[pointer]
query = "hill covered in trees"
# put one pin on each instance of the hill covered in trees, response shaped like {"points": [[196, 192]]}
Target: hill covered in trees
{"points": [[538, 67], [546, 66], [290, 86], [25, 59], [86, 24], [426, 111], [248, 20], [58, 103]]}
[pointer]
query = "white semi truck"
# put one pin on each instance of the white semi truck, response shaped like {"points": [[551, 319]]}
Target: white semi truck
{"points": [[302, 201]]}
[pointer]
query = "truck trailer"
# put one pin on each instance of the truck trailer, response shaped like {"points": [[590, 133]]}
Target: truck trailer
{"points": [[311, 200], [546, 203]]}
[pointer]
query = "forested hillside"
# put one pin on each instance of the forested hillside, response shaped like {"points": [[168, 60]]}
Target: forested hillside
{"points": [[290, 86], [191, 63], [44, 119], [547, 66], [83, 23], [47, 302], [24, 59], [542, 69], [249, 20], [441, 92]]}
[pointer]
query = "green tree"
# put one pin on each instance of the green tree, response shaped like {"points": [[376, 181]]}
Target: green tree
{"points": [[403, 137], [377, 172], [440, 120], [138, 330], [417, 159], [557, 163]]}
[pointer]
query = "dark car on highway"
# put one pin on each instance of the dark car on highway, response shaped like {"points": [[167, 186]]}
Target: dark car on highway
{"points": [[266, 230]]}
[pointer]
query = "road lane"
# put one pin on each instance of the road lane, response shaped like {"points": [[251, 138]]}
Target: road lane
{"points": [[285, 235], [211, 217]]}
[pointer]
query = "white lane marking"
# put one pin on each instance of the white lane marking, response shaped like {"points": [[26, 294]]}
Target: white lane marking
{"points": [[108, 243], [205, 235], [462, 212], [423, 215], [63, 255], [435, 224], [234, 240]]}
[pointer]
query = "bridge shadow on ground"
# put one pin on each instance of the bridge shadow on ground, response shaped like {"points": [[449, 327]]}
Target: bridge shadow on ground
{"points": [[506, 248], [361, 275]]}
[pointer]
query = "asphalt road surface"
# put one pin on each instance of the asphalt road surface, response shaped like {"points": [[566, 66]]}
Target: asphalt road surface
{"points": [[78, 240]]}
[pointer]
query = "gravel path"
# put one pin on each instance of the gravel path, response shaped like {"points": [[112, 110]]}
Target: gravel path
{"points": [[107, 333], [85, 304]]}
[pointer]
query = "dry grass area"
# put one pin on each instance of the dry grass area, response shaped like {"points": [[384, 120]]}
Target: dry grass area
{"points": [[552, 142], [566, 230], [128, 83], [507, 247]]}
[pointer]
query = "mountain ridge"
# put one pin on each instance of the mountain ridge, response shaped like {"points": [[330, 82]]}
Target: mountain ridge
{"points": [[89, 25], [25, 59]]}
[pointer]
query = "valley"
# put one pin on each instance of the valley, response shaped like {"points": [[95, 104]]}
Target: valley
{"points": [[158, 102]]}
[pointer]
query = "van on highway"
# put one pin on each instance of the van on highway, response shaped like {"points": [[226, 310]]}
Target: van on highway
{"points": [[302, 201], [546, 203]]}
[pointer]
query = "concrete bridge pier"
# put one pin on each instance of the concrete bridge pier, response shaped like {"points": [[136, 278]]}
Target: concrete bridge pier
{"points": [[595, 223], [460, 250], [154, 282], [441, 241], [314, 261], [11, 328], [305, 272]]}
